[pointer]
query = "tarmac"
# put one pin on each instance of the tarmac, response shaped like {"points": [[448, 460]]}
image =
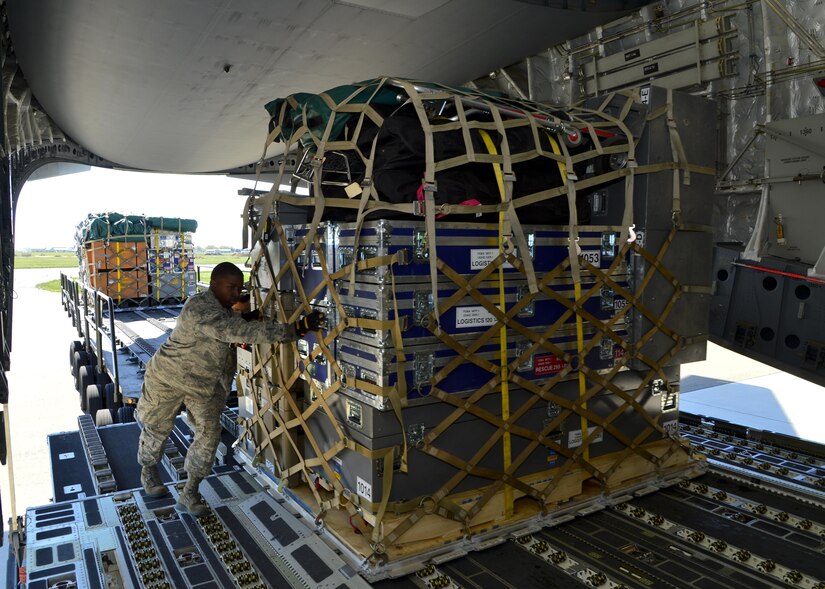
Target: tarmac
{"points": [[734, 388], [42, 397]]}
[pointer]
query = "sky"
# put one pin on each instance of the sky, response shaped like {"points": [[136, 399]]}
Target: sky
{"points": [[49, 210]]}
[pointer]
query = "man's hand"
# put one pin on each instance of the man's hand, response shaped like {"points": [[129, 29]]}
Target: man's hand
{"points": [[252, 315], [311, 322]]}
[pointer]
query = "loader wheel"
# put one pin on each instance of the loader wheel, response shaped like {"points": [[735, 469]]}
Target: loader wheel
{"points": [[93, 401], [79, 359], [103, 417], [85, 377], [110, 402], [126, 414], [101, 378], [84, 398], [75, 346]]}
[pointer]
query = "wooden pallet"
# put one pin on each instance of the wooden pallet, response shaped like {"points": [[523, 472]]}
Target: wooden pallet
{"points": [[433, 531]]}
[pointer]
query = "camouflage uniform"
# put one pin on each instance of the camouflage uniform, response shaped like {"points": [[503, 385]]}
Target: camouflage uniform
{"points": [[195, 366]]}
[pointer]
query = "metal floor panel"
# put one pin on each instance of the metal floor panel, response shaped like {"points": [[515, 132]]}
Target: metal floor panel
{"points": [[726, 529], [750, 536], [640, 558], [508, 566], [763, 496], [121, 444], [153, 543], [71, 478]]}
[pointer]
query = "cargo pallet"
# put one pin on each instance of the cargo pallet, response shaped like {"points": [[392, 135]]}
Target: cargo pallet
{"points": [[476, 375]]}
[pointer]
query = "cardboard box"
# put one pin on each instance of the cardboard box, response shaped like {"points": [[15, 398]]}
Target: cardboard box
{"points": [[115, 255], [121, 284]]}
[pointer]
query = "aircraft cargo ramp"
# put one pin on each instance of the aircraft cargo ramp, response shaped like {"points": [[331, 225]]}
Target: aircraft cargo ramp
{"points": [[754, 520]]}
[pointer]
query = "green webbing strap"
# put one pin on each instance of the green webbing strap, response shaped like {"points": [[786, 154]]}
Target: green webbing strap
{"points": [[513, 228], [429, 219], [430, 188], [399, 400], [465, 129], [367, 192], [678, 153]]}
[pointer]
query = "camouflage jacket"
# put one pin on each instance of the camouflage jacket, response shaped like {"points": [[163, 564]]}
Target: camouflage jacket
{"points": [[199, 357]]}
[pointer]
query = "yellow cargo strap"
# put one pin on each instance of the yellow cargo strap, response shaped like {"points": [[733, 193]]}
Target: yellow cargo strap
{"points": [[505, 385], [577, 293], [184, 262]]}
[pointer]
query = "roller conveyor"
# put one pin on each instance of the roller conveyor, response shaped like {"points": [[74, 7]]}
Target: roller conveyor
{"points": [[739, 525]]}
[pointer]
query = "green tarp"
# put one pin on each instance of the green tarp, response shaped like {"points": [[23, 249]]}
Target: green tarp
{"points": [[129, 228], [172, 224], [317, 111]]}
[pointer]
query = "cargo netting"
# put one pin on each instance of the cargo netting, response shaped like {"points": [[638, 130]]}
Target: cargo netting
{"points": [[495, 172], [137, 260]]}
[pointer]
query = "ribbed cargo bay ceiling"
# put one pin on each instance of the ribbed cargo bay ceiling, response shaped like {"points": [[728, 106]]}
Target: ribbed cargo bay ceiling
{"points": [[180, 85]]}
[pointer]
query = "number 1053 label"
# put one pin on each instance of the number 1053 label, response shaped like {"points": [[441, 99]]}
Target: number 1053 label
{"points": [[593, 257]]}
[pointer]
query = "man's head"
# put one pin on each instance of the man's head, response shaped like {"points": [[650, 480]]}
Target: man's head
{"points": [[226, 283]]}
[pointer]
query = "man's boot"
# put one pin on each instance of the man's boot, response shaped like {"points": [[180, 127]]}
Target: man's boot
{"points": [[190, 500], [152, 483]]}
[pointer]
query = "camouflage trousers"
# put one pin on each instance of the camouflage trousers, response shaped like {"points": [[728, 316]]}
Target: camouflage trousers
{"points": [[156, 413]]}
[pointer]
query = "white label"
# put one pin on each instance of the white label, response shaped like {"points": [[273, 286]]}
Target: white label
{"points": [[481, 258], [66, 456], [353, 190], [593, 257], [363, 488], [70, 489], [619, 304], [671, 427], [645, 95], [246, 409], [473, 317], [574, 439]]}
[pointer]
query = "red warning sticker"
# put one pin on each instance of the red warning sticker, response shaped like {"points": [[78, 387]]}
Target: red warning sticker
{"points": [[547, 364]]}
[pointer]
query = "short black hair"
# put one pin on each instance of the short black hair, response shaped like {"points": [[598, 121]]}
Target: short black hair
{"points": [[226, 270]]}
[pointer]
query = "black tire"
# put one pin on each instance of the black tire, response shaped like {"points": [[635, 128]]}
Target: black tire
{"points": [[111, 402], [79, 359], [92, 359], [126, 414], [85, 377], [93, 401], [84, 397], [74, 346], [103, 417], [102, 378]]}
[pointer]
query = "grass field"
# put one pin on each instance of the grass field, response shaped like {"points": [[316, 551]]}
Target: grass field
{"points": [[28, 260], [50, 286], [206, 275]]}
